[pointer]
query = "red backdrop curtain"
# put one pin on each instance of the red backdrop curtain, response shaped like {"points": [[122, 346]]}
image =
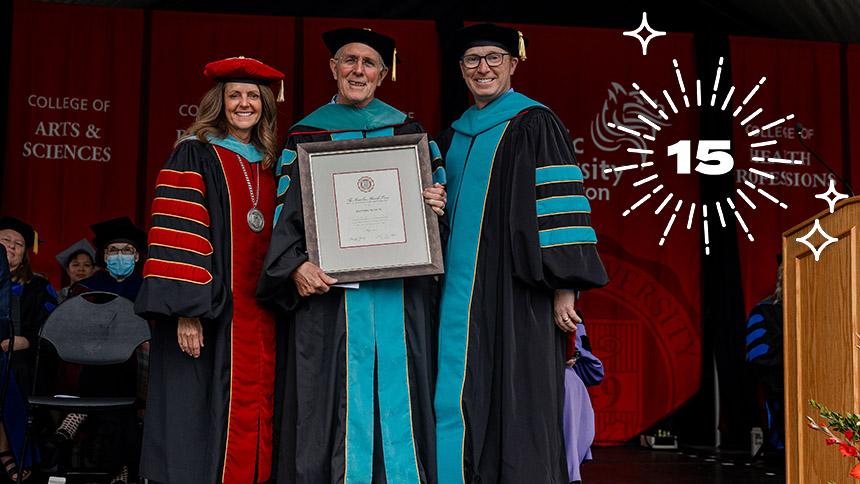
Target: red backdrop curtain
{"points": [[803, 79], [73, 127]]}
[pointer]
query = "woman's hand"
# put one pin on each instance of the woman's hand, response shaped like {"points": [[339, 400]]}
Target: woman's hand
{"points": [[310, 279], [189, 333], [436, 197], [564, 312], [21, 343]]}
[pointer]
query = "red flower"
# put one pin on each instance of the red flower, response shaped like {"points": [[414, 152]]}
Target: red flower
{"points": [[855, 472], [831, 441], [849, 434], [848, 450]]}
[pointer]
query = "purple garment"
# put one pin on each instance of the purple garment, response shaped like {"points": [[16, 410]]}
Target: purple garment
{"points": [[578, 412], [578, 423], [588, 366]]}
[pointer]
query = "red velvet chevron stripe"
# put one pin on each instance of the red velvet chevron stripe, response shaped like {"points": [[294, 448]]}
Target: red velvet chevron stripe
{"points": [[179, 239], [177, 271], [173, 207], [190, 180]]}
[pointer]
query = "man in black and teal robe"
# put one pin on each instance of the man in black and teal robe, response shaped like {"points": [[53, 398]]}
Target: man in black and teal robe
{"points": [[520, 245], [357, 390]]}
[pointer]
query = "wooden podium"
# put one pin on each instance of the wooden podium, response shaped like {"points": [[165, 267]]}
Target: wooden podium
{"points": [[822, 319]]}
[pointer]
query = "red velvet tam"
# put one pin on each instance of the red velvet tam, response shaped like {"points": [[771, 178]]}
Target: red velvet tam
{"points": [[242, 69]]}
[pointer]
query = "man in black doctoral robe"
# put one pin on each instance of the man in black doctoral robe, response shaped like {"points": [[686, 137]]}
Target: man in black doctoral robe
{"points": [[521, 244], [357, 408]]}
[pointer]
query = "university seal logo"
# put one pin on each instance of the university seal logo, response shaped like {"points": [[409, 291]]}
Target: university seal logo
{"points": [[366, 184], [623, 108]]}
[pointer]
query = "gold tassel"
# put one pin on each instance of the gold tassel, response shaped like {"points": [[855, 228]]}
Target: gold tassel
{"points": [[522, 46], [281, 92], [394, 66], [35, 242]]}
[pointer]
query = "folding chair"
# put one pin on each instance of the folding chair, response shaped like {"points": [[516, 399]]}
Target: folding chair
{"points": [[95, 328]]}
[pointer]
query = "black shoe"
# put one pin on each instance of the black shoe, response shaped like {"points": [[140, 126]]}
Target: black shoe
{"points": [[55, 450]]}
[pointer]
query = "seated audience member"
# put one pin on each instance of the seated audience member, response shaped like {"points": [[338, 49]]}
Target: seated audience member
{"points": [[32, 300], [5, 306], [583, 370], [764, 357], [119, 244], [78, 261], [5, 290]]}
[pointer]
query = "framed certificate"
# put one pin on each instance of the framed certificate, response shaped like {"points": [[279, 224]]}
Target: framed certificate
{"points": [[364, 212]]}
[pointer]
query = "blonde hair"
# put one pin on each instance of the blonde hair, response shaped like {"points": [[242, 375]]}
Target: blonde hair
{"points": [[211, 121]]}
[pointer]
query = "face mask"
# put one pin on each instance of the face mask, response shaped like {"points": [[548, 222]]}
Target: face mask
{"points": [[120, 265]]}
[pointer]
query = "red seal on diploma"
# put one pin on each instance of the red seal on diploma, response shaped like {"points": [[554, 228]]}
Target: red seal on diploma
{"points": [[365, 184]]}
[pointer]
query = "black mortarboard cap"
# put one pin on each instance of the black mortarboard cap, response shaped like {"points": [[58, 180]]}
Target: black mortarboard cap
{"points": [[23, 228], [511, 40], [120, 229], [385, 45]]}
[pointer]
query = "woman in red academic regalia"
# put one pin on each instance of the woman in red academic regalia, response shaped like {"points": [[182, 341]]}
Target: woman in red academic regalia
{"points": [[209, 409]]}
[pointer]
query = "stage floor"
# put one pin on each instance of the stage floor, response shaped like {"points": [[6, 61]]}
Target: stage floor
{"points": [[634, 465], [616, 465]]}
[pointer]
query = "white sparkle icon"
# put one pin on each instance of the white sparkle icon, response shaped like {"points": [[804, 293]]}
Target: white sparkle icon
{"points": [[816, 251], [831, 196], [638, 33]]}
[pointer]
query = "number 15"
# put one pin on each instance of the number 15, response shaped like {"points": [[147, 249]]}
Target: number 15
{"points": [[707, 151]]}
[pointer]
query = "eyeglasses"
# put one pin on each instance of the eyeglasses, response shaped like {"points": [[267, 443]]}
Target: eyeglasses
{"points": [[127, 250], [7, 241], [352, 60], [494, 59]]}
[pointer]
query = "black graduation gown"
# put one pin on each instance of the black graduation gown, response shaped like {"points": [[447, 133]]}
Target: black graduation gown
{"points": [[104, 281], [313, 444], [208, 419], [31, 303], [35, 301], [5, 289], [520, 228]]}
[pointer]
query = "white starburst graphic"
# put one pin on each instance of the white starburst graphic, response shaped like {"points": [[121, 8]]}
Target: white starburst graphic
{"points": [[746, 194], [816, 251], [637, 34], [831, 196]]}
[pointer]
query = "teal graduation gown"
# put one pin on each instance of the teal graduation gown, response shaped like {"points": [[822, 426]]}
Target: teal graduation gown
{"points": [[520, 228], [359, 364]]}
